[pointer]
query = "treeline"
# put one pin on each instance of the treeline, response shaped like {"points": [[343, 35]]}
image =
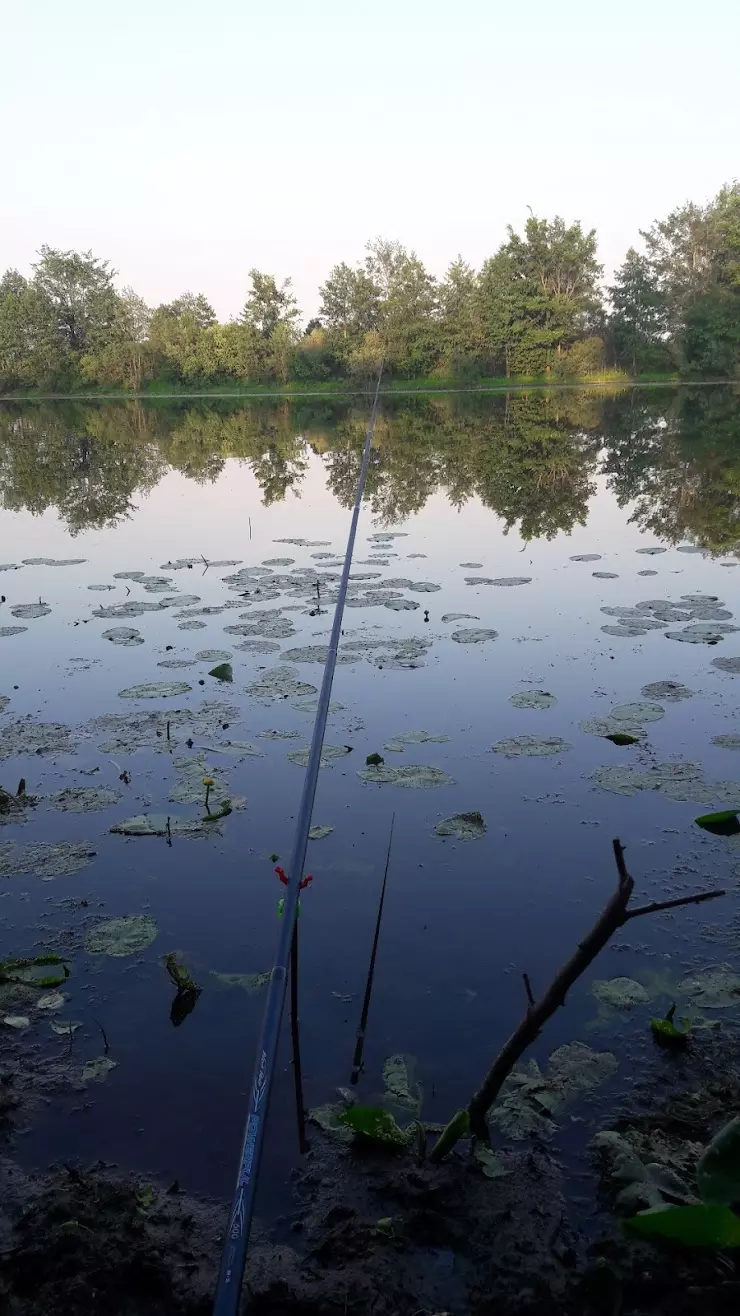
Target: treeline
{"points": [[532, 457], [535, 309]]}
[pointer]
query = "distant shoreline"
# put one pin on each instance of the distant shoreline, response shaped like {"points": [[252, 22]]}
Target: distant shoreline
{"points": [[346, 388]]}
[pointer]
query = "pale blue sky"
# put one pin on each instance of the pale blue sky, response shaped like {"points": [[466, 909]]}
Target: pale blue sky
{"points": [[187, 141]]}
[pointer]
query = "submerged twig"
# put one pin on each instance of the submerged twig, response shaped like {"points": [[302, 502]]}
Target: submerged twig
{"points": [[613, 916], [106, 1044], [528, 989]]}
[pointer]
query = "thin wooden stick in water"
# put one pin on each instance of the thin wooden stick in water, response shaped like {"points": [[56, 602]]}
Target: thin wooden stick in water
{"points": [[360, 1043]]}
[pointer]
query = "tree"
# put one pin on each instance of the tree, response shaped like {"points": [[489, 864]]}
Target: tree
{"points": [[638, 325], [459, 328], [268, 305], [80, 289], [407, 309], [32, 352], [349, 304], [176, 333]]}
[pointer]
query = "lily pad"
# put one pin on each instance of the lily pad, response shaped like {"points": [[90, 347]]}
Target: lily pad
{"points": [[329, 754], [280, 683], [605, 575], [97, 1071], [155, 690], [509, 581], [419, 738], [249, 982], [475, 566], [670, 691], [731, 665], [647, 573], [26, 737], [190, 786], [463, 826], [53, 561], [27, 611], [586, 557], [191, 626], [223, 672], [408, 776], [401, 605], [714, 989], [51, 1001], [727, 741], [460, 616], [722, 823], [424, 587], [650, 552], [6, 631], [287, 561], [213, 655], [697, 635], [471, 635], [46, 861], [718, 1171], [531, 746], [316, 653], [120, 937], [318, 833], [621, 993], [626, 630], [532, 699], [19, 1021], [128, 636], [84, 799], [401, 1088], [529, 1099], [258, 646], [490, 1163], [160, 824], [174, 664], [65, 1027]]}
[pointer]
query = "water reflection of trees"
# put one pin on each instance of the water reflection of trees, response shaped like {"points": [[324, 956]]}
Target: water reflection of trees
{"points": [[672, 457]]}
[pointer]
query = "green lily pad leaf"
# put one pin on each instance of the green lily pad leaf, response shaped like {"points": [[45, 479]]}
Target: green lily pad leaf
{"points": [[19, 1021], [491, 1164], [28, 611], [159, 824], [46, 861], [622, 738], [668, 1034], [638, 1185], [718, 1171], [401, 1089], [155, 690], [474, 635], [64, 1027], [374, 760], [329, 754], [723, 823], [51, 1001], [463, 826], [249, 982], [127, 636], [375, 1123], [213, 655], [621, 993], [121, 936], [97, 1071], [671, 691], [223, 672], [318, 833], [694, 1226]]}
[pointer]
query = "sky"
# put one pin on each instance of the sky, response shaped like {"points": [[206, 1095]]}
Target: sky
{"points": [[188, 142]]}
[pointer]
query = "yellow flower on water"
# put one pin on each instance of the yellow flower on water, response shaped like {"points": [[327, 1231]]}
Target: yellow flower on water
{"points": [[208, 781]]}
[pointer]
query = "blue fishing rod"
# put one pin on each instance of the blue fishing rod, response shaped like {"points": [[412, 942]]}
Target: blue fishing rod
{"points": [[234, 1254]]}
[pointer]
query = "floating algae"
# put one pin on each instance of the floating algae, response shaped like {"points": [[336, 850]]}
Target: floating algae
{"points": [[530, 746], [463, 826]]}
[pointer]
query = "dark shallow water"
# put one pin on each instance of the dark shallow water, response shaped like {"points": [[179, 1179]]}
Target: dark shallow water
{"points": [[462, 921]]}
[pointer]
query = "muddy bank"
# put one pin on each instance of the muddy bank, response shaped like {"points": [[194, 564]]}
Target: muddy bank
{"points": [[376, 1232]]}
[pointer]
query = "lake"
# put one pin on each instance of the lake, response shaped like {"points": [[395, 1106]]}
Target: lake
{"points": [[525, 565]]}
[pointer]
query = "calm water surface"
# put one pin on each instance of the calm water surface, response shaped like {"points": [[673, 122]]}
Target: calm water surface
{"points": [[521, 486]]}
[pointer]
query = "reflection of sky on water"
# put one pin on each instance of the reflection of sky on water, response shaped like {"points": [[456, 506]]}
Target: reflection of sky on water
{"points": [[461, 921]]}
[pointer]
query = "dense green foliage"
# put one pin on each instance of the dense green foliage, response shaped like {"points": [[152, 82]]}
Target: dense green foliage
{"points": [[534, 310], [533, 458]]}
